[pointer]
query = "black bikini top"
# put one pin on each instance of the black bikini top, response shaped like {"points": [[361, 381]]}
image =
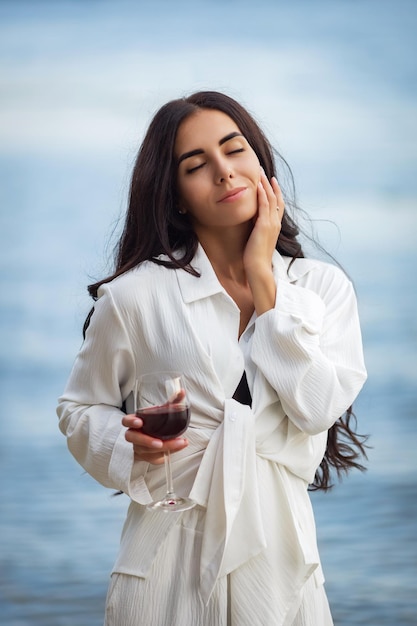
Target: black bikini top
{"points": [[242, 393]]}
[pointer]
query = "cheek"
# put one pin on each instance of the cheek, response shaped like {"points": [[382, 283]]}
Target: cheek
{"points": [[194, 191], [182, 193], [188, 196], [255, 168]]}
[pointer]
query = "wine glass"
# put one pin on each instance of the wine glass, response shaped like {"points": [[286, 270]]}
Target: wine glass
{"points": [[161, 403]]}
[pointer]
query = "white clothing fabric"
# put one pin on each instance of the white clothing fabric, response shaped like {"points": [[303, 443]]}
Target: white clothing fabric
{"points": [[128, 605], [247, 468]]}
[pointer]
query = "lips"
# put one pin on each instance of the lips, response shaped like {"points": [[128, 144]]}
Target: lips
{"points": [[233, 194]]}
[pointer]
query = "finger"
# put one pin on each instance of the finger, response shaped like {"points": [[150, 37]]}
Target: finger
{"points": [[269, 191], [174, 445], [138, 438], [279, 197], [178, 397], [156, 457], [263, 202], [270, 202], [132, 421]]}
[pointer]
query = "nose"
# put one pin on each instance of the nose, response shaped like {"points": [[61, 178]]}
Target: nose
{"points": [[223, 171]]}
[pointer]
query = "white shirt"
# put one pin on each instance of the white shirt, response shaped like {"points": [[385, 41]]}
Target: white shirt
{"points": [[247, 468]]}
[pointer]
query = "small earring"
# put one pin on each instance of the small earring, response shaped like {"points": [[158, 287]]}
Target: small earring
{"points": [[182, 212]]}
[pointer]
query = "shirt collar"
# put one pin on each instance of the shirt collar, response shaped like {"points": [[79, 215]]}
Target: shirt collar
{"points": [[196, 288], [284, 268]]}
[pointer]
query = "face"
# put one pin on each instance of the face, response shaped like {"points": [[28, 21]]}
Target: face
{"points": [[218, 171]]}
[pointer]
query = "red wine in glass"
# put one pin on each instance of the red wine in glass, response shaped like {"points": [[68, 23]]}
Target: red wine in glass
{"points": [[162, 404], [164, 422]]}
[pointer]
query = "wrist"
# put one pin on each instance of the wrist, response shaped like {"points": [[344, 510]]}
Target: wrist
{"points": [[264, 290]]}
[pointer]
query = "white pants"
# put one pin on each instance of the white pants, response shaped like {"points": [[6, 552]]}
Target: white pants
{"points": [[127, 605]]}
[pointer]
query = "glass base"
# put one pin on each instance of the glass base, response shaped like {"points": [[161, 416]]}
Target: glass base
{"points": [[171, 503]]}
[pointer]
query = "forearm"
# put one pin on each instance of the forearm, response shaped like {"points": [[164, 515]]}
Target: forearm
{"points": [[309, 349], [93, 433], [263, 287]]}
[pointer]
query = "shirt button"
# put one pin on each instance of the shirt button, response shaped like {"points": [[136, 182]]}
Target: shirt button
{"points": [[233, 416]]}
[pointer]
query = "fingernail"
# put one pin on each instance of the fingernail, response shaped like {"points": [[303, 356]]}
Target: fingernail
{"points": [[157, 443]]}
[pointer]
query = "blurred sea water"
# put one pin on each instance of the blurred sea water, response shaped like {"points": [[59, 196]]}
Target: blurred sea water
{"points": [[334, 85]]}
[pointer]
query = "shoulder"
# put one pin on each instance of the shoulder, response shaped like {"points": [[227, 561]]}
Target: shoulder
{"points": [[327, 280], [314, 270], [148, 282]]}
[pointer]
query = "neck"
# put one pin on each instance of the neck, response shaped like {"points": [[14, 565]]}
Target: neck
{"points": [[225, 252]]}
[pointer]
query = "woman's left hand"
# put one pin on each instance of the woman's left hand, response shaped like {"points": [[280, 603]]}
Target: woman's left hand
{"points": [[267, 226], [257, 257]]}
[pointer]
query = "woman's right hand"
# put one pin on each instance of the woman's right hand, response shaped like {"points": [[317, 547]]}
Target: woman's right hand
{"points": [[148, 448]]}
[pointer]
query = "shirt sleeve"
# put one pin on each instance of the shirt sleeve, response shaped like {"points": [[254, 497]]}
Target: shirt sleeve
{"points": [[309, 348], [89, 411]]}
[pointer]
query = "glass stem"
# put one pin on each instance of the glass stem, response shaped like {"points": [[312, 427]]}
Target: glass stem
{"points": [[168, 473]]}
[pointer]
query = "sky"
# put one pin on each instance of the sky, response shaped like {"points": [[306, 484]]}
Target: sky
{"points": [[333, 84]]}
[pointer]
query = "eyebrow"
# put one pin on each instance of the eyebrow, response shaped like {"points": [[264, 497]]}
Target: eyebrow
{"points": [[192, 153]]}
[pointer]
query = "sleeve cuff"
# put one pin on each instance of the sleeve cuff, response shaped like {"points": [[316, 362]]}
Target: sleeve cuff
{"points": [[128, 475], [301, 305]]}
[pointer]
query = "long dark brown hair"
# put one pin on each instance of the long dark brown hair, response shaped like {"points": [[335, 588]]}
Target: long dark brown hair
{"points": [[154, 226]]}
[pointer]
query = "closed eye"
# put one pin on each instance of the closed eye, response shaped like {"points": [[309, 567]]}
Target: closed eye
{"points": [[190, 170], [194, 169]]}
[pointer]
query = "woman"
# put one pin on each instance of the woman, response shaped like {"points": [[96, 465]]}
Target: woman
{"points": [[210, 280]]}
